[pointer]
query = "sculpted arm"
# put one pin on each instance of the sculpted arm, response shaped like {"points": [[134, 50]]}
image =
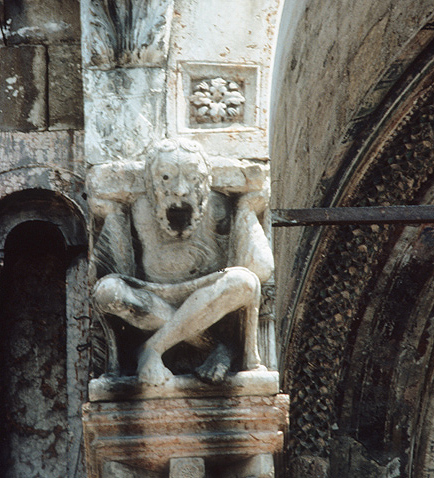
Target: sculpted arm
{"points": [[112, 250], [249, 245]]}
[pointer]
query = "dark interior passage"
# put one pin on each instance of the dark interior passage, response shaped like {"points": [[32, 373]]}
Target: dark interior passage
{"points": [[33, 400]]}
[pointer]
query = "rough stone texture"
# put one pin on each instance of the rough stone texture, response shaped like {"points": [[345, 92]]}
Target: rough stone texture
{"points": [[124, 181], [260, 466], [147, 434], [49, 163], [135, 233], [207, 41], [77, 360], [23, 88], [112, 469], [132, 34], [124, 112], [187, 468], [331, 56], [366, 336], [33, 387], [48, 21], [46, 386], [310, 467], [65, 94], [344, 308], [26, 84], [43, 205], [357, 351], [349, 458], [200, 256], [60, 150], [49, 160]]}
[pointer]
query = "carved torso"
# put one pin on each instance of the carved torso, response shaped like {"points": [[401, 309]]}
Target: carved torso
{"points": [[167, 259]]}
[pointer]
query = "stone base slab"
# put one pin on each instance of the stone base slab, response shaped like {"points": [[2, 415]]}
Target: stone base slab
{"points": [[113, 389], [147, 434]]}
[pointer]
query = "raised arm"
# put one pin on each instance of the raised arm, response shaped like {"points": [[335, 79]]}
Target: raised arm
{"points": [[249, 246], [112, 250]]}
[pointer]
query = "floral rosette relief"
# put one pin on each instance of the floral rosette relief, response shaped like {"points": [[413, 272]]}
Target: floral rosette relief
{"points": [[216, 101]]}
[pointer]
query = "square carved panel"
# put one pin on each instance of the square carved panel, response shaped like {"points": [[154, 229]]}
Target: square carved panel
{"points": [[217, 96]]}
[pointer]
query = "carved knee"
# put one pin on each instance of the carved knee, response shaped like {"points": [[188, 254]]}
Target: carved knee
{"points": [[246, 280], [105, 292]]}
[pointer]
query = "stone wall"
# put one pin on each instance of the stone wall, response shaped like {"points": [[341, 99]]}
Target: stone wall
{"points": [[40, 78], [339, 67], [45, 349]]}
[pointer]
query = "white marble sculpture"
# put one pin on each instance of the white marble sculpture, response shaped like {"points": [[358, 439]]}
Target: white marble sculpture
{"points": [[188, 256]]}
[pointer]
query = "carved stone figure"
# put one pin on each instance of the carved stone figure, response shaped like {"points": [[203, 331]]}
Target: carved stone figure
{"points": [[185, 256]]}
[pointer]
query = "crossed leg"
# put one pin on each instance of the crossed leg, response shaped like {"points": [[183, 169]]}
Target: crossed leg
{"points": [[204, 302], [234, 288], [136, 305]]}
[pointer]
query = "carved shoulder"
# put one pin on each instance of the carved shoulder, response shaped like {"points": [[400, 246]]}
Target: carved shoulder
{"points": [[220, 207], [142, 213], [249, 246]]}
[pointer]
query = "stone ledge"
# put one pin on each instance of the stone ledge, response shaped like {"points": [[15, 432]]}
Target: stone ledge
{"points": [[147, 434], [111, 389]]}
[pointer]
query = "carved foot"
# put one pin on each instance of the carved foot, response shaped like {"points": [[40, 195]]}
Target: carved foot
{"points": [[256, 367], [216, 366], [151, 369], [253, 363]]}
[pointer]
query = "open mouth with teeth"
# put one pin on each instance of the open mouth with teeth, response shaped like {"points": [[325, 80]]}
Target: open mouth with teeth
{"points": [[179, 217]]}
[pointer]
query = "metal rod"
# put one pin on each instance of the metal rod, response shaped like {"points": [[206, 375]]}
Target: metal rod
{"points": [[341, 216]]}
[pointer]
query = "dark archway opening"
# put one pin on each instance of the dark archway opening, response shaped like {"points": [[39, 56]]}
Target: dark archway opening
{"points": [[33, 398]]}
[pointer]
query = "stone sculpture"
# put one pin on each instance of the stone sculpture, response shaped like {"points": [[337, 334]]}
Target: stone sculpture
{"points": [[186, 257]]}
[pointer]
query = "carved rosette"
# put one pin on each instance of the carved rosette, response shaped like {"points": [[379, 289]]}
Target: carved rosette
{"points": [[216, 101], [128, 33]]}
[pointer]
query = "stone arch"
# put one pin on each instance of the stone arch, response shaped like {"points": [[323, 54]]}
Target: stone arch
{"points": [[36, 224], [43, 205], [384, 156]]}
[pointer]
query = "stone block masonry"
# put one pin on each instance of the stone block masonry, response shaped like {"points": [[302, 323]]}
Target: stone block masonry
{"points": [[65, 95], [23, 83], [41, 88]]}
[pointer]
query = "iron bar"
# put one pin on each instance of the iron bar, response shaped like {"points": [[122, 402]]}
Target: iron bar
{"points": [[341, 216]]}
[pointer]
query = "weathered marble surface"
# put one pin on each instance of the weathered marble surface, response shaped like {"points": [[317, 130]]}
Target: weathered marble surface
{"points": [[180, 243], [123, 181], [194, 256], [23, 83], [253, 383], [208, 42], [124, 110], [187, 468], [126, 33]]}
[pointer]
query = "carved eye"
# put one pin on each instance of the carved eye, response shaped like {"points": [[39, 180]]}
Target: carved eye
{"points": [[165, 177]]}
